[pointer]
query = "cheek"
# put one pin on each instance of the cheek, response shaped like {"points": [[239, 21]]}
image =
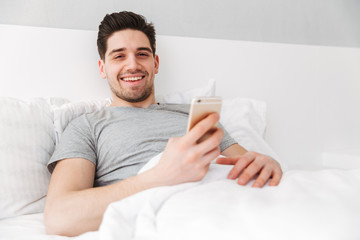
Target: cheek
{"points": [[112, 72], [153, 69]]}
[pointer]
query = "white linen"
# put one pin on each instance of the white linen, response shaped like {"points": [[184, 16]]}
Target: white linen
{"points": [[321, 204], [185, 97], [26, 144], [31, 227]]}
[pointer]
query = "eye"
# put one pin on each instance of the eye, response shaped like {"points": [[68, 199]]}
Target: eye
{"points": [[143, 54], [119, 56]]}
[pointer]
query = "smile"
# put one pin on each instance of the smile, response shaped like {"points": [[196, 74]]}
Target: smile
{"points": [[131, 79]]}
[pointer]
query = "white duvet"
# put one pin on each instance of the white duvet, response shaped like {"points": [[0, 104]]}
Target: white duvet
{"points": [[322, 204]]}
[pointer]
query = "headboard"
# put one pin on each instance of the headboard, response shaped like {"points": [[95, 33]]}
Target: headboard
{"points": [[312, 92]]}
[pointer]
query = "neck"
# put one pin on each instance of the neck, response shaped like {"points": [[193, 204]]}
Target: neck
{"points": [[117, 102]]}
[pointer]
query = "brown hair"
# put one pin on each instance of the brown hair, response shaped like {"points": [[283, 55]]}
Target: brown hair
{"points": [[120, 21]]}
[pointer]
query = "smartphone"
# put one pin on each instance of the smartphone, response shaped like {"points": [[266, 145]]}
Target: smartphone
{"points": [[200, 108]]}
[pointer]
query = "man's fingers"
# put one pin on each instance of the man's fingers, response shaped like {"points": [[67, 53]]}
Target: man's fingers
{"points": [[211, 142], [277, 174], [251, 164], [252, 169], [263, 177], [201, 128], [209, 149], [210, 156], [240, 165], [227, 160]]}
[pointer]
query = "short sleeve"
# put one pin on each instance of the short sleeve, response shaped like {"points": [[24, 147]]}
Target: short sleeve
{"points": [[77, 141], [227, 140]]}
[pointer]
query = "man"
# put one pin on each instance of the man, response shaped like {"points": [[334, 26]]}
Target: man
{"points": [[99, 155]]}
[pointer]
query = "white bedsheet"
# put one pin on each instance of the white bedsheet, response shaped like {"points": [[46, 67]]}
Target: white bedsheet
{"points": [[31, 227], [322, 204]]}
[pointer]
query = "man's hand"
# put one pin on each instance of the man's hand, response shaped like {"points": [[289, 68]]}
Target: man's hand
{"points": [[251, 164], [186, 160]]}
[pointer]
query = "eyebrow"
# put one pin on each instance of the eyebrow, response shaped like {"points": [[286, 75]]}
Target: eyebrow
{"points": [[116, 50], [123, 49], [145, 49]]}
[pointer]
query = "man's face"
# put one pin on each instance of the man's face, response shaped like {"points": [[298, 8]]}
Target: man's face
{"points": [[130, 67]]}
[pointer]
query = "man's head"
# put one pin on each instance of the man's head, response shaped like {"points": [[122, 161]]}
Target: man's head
{"points": [[126, 45], [120, 21]]}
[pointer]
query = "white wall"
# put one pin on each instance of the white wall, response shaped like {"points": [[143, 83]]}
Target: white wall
{"points": [[46, 62], [311, 22]]}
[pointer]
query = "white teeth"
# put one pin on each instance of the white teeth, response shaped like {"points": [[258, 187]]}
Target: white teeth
{"points": [[132, 78]]}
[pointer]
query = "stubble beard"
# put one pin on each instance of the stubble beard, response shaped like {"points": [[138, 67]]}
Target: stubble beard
{"points": [[134, 96]]}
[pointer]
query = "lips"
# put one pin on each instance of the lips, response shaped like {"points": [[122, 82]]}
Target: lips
{"points": [[131, 79], [132, 76]]}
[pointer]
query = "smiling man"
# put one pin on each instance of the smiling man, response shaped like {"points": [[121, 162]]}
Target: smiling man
{"points": [[130, 66], [100, 154]]}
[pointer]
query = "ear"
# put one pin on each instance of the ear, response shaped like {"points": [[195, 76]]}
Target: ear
{"points": [[102, 70], [156, 64]]}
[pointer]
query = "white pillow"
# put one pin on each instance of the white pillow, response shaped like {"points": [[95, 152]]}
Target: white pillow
{"points": [[185, 97], [26, 144], [245, 120]]}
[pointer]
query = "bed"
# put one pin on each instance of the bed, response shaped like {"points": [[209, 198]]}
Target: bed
{"points": [[278, 100]]}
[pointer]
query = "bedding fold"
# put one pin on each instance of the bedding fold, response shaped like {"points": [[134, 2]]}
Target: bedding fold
{"points": [[320, 204]]}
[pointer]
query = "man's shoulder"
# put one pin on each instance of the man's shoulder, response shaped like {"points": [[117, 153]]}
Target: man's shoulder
{"points": [[89, 117]]}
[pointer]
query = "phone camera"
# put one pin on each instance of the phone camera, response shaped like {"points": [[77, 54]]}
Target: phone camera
{"points": [[199, 101]]}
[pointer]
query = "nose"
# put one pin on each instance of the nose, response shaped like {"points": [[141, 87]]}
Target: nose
{"points": [[132, 63]]}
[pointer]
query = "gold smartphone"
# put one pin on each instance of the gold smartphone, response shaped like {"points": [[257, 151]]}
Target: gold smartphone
{"points": [[200, 108]]}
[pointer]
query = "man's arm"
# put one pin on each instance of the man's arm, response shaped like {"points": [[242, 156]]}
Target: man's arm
{"points": [[249, 164], [73, 206]]}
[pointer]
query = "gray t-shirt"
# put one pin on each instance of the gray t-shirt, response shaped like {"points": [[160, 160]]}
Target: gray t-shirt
{"points": [[121, 140]]}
